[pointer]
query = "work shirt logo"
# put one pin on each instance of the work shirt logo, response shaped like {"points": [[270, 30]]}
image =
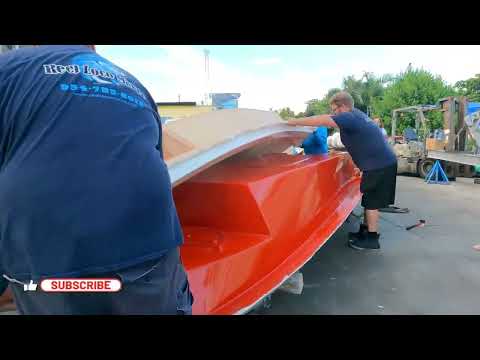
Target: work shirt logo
{"points": [[100, 78]]}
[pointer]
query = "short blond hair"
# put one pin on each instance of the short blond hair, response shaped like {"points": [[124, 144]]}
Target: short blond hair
{"points": [[378, 121], [342, 98]]}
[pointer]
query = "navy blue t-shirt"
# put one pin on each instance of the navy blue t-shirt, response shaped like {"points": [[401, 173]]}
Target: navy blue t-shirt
{"points": [[83, 185], [364, 141]]}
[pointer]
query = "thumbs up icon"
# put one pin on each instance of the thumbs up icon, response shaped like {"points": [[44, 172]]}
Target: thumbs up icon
{"points": [[30, 287]]}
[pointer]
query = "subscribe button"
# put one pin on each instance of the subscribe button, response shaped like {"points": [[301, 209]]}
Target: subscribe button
{"points": [[81, 285]]}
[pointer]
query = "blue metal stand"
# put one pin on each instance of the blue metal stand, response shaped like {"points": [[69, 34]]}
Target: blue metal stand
{"points": [[437, 172]]}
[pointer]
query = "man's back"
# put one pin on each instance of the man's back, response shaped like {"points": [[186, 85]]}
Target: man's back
{"points": [[364, 140], [83, 187]]}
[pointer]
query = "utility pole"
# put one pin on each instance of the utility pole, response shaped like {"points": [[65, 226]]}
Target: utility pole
{"points": [[207, 73]]}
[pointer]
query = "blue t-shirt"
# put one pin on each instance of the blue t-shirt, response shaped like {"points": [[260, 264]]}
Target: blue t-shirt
{"points": [[316, 142], [83, 185], [364, 141]]}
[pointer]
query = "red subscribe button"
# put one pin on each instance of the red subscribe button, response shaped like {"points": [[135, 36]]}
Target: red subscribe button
{"points": [[81, 285]]}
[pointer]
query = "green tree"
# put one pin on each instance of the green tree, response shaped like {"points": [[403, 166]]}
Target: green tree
{"points": [[316, 107], [322, 106], [409, 88], [286, 113], [469, 88], [365, 89]]}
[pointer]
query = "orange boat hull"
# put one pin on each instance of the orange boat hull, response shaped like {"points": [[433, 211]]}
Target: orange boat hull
{"points": [[251, 223]]}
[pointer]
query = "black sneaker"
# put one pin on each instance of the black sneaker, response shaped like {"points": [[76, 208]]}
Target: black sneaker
{"points": [[368, 242], [359, 234]]}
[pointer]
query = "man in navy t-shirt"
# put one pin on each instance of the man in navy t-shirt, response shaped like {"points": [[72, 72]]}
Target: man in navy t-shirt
{"points": [[371, 153], [84, 190]]}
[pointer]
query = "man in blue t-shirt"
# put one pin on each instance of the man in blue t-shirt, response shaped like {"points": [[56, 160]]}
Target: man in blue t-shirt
{"points": [[371, 153], [84, 190]]}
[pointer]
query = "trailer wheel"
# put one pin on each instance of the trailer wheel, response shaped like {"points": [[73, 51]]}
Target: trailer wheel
{"points": [[468, 171], [424, 167], [449, 170]]}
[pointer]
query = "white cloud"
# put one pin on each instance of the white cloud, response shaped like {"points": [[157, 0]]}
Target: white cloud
{"points": [[452, 62], [182, 71], [267, 61]]}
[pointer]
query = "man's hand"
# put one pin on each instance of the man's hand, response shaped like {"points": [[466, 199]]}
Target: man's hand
{"points": [[6, 301], [3, 284]]}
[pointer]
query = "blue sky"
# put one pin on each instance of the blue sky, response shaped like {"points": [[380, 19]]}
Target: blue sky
{"points": [[272, 77]]}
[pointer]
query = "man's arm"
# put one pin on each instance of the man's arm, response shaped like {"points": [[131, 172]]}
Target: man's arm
{"points": [[317, 120]]}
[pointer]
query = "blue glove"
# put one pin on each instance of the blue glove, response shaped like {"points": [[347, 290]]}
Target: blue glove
{"points": [[316, 142]]}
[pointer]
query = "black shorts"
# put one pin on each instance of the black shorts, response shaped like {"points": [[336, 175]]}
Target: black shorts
{"points": [[378, 187]]}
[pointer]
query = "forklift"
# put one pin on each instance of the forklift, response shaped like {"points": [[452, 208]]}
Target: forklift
{"points": [[418, 149]]}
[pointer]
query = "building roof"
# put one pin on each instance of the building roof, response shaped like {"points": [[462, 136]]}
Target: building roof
{"points": [[184, 103]]}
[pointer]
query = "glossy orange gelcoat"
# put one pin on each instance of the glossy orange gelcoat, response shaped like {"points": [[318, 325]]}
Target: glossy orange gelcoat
{"points": [[250, 223]]}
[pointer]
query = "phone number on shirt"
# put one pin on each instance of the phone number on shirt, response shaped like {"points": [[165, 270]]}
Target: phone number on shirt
{"points": [[102, 90]]}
